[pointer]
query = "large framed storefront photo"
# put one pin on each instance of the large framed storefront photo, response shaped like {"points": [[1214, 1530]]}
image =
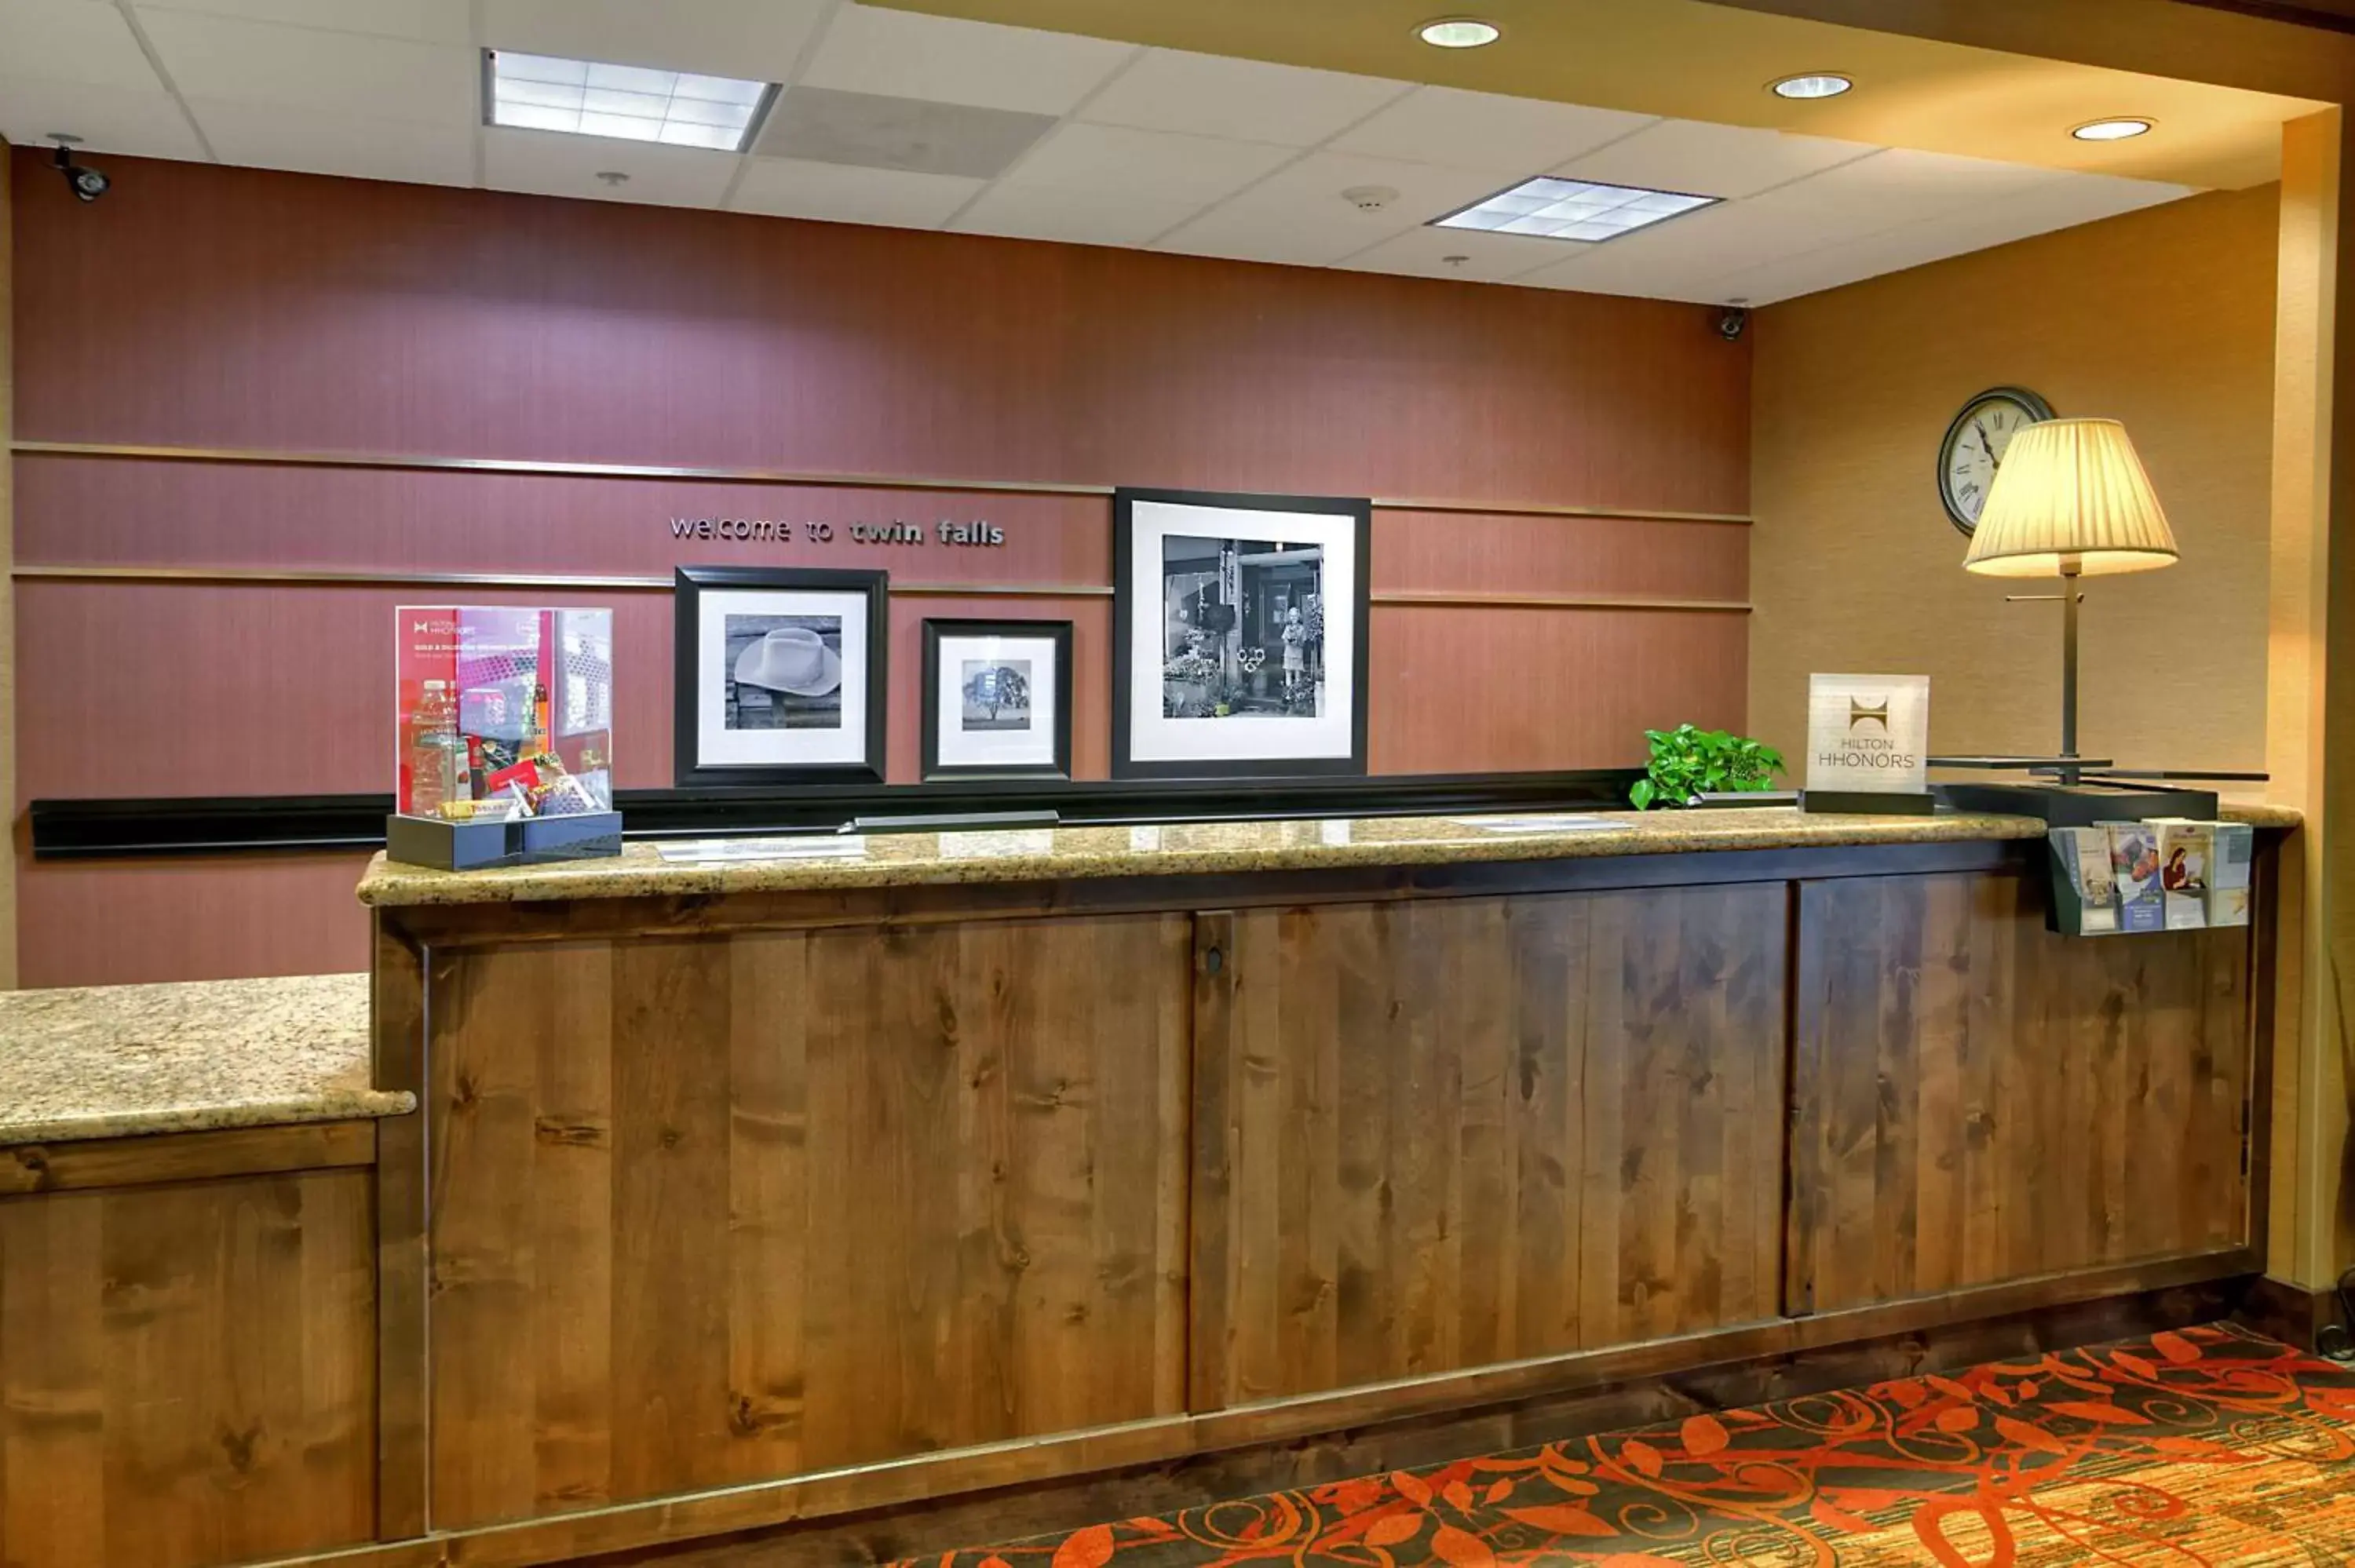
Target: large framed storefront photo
{"points": [[1238, 641]]}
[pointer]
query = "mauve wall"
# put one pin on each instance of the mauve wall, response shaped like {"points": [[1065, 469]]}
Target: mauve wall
{"points": [[222, 308]]}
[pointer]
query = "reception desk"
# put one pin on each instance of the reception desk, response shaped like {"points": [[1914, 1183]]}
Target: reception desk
{"points": [[848, 1192]]}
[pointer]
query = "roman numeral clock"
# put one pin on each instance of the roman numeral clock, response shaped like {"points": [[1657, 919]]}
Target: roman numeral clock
{"points": [[1971, 452]]}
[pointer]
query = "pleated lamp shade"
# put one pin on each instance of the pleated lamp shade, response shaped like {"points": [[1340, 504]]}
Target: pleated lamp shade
{"points": [[2071, 492]]}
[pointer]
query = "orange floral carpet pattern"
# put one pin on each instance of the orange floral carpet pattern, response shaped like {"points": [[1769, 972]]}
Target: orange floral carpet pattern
{"points": [[2208, 1446]]}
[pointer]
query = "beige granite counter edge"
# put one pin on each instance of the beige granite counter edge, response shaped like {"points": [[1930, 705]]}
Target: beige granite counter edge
{"points": [[636, 874], [340, 1104]]}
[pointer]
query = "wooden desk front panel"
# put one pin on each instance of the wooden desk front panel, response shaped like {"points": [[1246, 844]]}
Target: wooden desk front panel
{"points": [[1977, 1099], [187, 1372], [752, 1205], [1444, 1133]]}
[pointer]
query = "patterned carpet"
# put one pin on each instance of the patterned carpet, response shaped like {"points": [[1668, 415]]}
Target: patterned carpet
{"points": [[2210, 1447]]}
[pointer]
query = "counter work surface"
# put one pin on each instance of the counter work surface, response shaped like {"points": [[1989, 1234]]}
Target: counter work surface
{"points": [[826, 861], [128, 1060]]}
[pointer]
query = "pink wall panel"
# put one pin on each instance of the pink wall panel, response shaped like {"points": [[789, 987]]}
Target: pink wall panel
{"points": [[1584, 683], [84, 511], [96, 922], [1458, 552], [209, 307]]}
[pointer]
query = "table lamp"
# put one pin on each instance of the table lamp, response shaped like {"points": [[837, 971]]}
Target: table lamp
{"points": [[2071, 500]]}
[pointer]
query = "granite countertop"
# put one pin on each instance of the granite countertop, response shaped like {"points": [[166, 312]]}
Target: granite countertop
{"points": [[119, 1061], [823, 861]]}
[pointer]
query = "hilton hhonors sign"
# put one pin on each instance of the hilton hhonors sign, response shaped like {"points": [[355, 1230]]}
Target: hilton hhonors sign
{"points": [[1869, 734]]}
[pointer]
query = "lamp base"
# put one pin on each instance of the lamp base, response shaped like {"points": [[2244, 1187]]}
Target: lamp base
{"points": [[2080, 805]]}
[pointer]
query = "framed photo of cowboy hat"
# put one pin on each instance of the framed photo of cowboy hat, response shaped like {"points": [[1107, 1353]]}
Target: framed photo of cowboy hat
{"points": [[998, 699], [779, 675]]}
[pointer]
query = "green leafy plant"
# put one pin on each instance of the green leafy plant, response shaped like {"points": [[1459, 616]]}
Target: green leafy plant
{"points": [[1690, 762]]}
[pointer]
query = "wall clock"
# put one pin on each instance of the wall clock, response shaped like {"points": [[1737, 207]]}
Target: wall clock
{"points": [[1973, 447]]}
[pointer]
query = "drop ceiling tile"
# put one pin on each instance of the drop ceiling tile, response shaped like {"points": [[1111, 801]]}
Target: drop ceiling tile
{"points": [[1483, 257], [794, 187], [756, 39], [551, 162], [426, 21], [903, 54], [1696, 246], [1898, 185], [269, 136], [1693, 156], [1486, 131], [2061, 203], [72, 40], [108, 118], [231, 60], [1250, 100], [1100, 162], [1045, 212], [1681, 259], [1299, 216]]}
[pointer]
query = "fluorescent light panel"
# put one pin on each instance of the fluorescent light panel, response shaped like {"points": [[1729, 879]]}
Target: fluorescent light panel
{"points": [[1580, 210], [631, 103]]}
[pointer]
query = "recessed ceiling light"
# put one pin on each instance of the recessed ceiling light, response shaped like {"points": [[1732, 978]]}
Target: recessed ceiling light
{"points": [[1814, 84], [1552, 208], [631, 103], [2111, 130], [1458, 33]]}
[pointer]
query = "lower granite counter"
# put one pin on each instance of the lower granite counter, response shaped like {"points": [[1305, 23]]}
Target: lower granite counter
{"points": [[121, 1061], [810, 1208]]}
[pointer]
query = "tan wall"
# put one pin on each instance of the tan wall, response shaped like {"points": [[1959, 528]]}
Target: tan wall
{"points": [[2163, 319]]}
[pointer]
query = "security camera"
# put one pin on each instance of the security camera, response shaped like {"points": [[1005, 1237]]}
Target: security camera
{"points": [[87, 183], [1730, 322]]}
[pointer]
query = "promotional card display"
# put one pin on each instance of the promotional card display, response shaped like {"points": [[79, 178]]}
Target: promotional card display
{"points": [[2168, 874], [505, 738], [1869, 745]]}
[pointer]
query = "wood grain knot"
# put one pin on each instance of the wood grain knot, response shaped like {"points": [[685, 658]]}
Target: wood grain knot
{"points": [[669, 1138], [571, 1134], [239, 1446]]}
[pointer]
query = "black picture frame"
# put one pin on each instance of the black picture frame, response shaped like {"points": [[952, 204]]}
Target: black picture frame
{"points": [[1059, 633], [688, 585], [1359, 510]]}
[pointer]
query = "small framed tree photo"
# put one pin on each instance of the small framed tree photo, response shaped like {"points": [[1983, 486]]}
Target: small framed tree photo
{"points": [[778, 675], [998, 699]]}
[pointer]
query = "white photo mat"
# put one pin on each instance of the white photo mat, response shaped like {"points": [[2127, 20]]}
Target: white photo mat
{"points": [[717, 746], [1330, 733], [1033, 746]]}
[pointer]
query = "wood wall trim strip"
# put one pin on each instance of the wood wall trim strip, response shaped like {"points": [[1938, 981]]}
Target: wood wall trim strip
{"points": [[85, 1163], [893, 1483], [568, 582], [559, 580], [1561, 602], [260, 458]]}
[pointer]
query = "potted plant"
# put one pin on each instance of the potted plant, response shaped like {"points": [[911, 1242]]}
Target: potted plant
{"points": [[1688, 762]]}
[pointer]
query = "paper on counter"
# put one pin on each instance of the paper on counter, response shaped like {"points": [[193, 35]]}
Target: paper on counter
{"points": [[717, 851], [1565, 823]]}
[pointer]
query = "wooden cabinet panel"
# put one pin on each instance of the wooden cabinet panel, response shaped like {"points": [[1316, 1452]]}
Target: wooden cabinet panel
{"points": [[755, 1205], [1445, 1133], [1977, 1099], [187, 1372]]}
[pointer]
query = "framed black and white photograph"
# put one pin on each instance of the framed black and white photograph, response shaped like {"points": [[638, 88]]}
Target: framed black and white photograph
{"points": [[998, 699], [779, 675], [1239, 634]]}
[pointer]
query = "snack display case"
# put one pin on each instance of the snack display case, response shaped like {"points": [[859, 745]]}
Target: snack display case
{"points": [[503, 753]]}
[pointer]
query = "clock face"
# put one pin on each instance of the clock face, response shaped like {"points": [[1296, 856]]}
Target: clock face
{"points": [[1972, 454]]}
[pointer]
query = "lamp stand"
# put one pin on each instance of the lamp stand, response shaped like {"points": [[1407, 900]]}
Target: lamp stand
{"points": [[2071, 567]]}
